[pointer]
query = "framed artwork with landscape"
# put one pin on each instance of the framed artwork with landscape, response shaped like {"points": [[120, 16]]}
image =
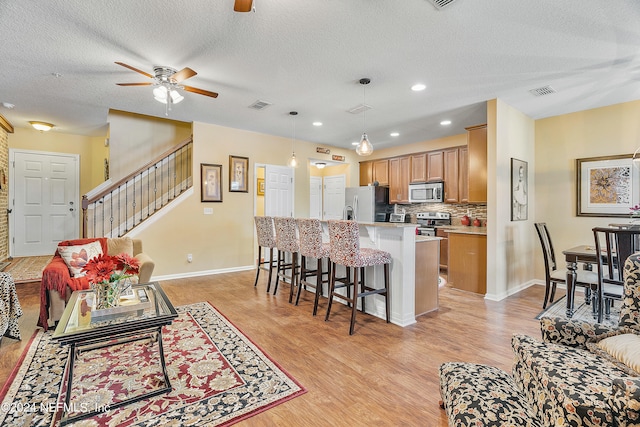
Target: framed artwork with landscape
{"points": [[519, 190], [607, 186], [210, 182], [238, 174]]}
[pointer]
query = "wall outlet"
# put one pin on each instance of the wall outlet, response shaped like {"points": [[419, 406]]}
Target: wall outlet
{"points": [[208, 211], [189, 258]]}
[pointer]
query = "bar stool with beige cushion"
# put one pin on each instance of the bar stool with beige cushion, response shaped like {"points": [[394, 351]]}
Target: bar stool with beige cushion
{"points": [[266, 239], [311, 246], [344, 249], [287, 242]]}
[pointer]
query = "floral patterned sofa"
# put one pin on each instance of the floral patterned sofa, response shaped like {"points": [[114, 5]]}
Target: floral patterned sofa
{"points": [[578, 375]]}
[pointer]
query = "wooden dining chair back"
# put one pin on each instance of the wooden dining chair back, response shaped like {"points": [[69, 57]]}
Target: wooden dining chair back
{"points": [[615, 245], [312, 246], [552, 275], [266, 239]]}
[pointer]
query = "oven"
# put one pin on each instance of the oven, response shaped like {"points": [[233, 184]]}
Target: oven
{"points": [[428, 222]]}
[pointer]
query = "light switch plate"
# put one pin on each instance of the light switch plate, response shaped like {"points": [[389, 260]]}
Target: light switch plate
{"points": [[208, 211]]}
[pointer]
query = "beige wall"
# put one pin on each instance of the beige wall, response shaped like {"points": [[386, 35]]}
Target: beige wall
{"points": [[560, 141], [226, 240]]}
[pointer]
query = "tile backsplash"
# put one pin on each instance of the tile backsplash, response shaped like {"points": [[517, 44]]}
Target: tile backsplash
{"points": [[457, 211]]}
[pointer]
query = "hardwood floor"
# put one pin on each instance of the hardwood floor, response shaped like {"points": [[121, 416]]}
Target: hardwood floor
{"points": [[383, 375]]}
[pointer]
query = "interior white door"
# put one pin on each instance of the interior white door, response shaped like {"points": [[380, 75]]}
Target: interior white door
{"points": [[334, 196], [45, 202], [278, 191], [315, 197]]}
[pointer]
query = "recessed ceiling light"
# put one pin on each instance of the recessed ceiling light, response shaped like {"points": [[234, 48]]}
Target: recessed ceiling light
{"points": [[394, 134], [445, 122], [418, 87], [317, 123], [56, 75]]}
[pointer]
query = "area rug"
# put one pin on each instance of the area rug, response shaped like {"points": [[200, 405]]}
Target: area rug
{"points": [[583, 311], [219, 377], [27, 269]]}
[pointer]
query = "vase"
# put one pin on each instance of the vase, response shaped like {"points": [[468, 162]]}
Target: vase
{"points": [[107, 295]]}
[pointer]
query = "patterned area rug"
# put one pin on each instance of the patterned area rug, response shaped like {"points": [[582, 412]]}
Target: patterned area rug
{"points": [[27, 269], [583, 312], [219, 377]]}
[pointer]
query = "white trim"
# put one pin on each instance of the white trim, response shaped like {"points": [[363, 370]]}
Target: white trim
{"points": [[512, 291], [202, 273]]}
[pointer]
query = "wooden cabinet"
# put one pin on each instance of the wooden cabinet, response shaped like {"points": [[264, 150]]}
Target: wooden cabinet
{"points": [[380, 171], [468, 262], [477, 179], [426, 285], [366, 173], [399, 171], [418, 167], [435, 166], [444, 248], [463, 180], [451, 176]]}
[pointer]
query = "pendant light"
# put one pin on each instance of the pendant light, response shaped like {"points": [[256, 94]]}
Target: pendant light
{"points": [[293, 162], [364, 148]]}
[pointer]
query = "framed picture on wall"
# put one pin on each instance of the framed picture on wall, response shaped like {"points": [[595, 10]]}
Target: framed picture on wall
{"points": [[260, 187], [607, 186], [238, 174], [210, 183], [519, 190]]}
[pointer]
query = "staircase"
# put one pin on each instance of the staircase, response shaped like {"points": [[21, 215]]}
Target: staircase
{"points": [[116, 210]]}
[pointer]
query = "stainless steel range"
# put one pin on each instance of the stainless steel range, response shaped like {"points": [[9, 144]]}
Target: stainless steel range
{"points": [[429, 221]]}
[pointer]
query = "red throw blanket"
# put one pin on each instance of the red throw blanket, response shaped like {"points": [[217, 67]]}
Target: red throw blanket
{"points": [[56, 277]]}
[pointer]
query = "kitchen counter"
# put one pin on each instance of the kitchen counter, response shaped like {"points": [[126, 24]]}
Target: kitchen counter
{"points": [[421, 238], [465, 229]]}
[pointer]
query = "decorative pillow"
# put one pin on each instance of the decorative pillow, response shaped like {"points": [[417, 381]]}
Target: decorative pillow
{"points": [[621, 347], [76, 257], [119, 245]]}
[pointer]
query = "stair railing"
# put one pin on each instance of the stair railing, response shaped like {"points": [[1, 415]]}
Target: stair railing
{"points": [[125, 204]]}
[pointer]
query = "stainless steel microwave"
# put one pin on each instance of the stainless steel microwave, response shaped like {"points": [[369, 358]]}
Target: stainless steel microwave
{"points": [[427, 192]]}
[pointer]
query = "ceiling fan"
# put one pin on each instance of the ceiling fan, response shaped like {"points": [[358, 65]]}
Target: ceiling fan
{"points": [[243, 5], [166, 81]]}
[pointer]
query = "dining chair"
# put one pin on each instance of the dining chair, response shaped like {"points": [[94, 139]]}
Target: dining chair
{"points": [[554, 275], [615, 245], [344, 249], [287, 243], [266, 239], [312, 246]]}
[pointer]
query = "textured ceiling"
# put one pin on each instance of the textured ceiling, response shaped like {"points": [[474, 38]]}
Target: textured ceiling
{"points": [[309, 55]]}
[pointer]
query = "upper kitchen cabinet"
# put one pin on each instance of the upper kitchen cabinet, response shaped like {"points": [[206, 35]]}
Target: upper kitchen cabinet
{"points": [[399, 175], [463, 182], [418, 167], [435, 166], [451, 175], [366, 172], [381, 171], [477, 179]]}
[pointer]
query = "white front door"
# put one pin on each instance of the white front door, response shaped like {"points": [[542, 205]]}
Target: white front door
{"points": [[315, 197], [334, 196], [45, 204], [278, 191]]}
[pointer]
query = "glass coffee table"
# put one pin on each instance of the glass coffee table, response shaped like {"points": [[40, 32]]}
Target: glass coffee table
{"points": [[140, 316]]}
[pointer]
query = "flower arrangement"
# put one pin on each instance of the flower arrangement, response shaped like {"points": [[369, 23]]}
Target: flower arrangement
{"points": [[106, 274], [635, 211]]}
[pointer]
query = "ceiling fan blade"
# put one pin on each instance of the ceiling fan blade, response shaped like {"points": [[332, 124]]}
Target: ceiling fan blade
{"points": [[243, 5], [134, 84], [184, 74], [200, 91], [135, 69]]}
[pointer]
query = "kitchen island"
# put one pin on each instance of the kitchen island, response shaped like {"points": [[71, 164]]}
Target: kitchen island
{"points": [[400, 240]]}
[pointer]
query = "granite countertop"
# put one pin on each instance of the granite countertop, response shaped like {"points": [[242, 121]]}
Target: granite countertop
{"points": [[465, 229], [388, 224], [421, 238]]}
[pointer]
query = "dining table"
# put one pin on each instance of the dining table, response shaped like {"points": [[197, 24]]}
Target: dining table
{"points": [[583, 254]]}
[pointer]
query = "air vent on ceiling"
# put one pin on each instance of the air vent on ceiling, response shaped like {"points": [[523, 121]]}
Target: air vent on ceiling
{"points": [[359, 109], [259, 105], [541, 91], [439, 4]]}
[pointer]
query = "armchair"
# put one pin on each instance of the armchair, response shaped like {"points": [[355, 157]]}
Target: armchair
{"points": [[58, 284]]}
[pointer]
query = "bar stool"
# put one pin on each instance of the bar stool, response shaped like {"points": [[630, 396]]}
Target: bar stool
{"points": [[344, 249], [266, 239], [311, 246], [287, 242]]}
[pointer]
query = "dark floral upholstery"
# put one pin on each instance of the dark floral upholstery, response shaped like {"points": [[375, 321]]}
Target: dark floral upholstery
{"points": [[481, 395], [630, 309], [569, 332]]}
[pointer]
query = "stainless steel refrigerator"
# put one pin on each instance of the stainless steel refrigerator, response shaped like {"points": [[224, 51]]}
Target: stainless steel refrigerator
{"points": [[366, 204]]}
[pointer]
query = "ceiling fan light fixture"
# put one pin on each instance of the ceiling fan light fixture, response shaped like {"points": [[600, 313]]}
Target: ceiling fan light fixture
{"points": [[41, 126]]}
